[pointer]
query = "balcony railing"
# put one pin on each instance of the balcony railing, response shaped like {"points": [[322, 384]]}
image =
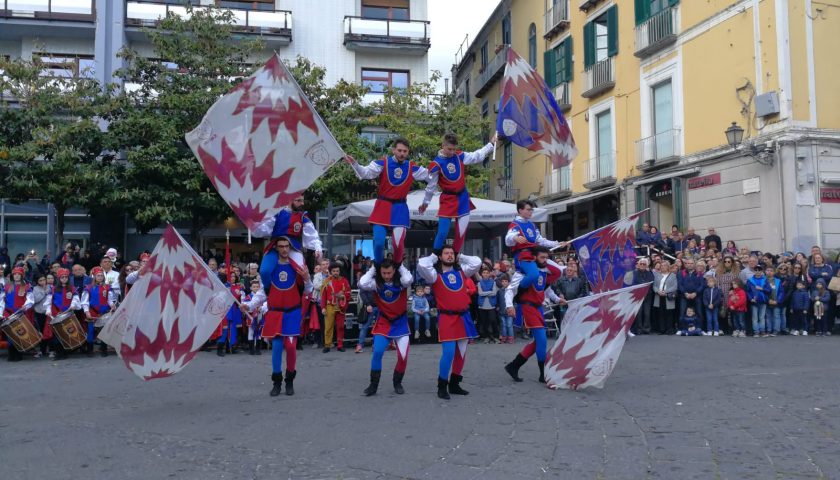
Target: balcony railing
{"points": [[656, 33], [559, 182], [659, 150], [599, 78], [562, 93], [556, 18], [600, 171], [492, 71], [270, 23], [369, 33], [586, 4], [72, 10], [507, 193]]}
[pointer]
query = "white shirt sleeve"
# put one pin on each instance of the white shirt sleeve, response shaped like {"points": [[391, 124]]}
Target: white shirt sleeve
{"points": [[307, 287], [46, 305], [469, 265], [512, 287], [132, 277], [256, 301], [549, 293], [76, 303], [405, 277], [426, 268], [431, 187], [546, 242], [113, 296], [30, 301], [478, 155], [368, 280], [311, 239], [84, 301], [367, 172], [264, 228], [422, 174], [512, 233]]}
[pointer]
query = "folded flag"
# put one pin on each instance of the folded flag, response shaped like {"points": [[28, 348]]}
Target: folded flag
{"points": [[529, 115]]}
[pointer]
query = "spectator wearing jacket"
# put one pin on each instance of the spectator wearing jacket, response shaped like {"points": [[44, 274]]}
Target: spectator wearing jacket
{"points": [[775, 299], [788, 287], [757, 291], [487, 297], [643, 235], [800, 306], [711, 238], [690, 235], [570, 286], [692, 285], [665, 287], [676, 243], [712, 300], [639, 276], [736, 303], [820, 297], [819, 270]]}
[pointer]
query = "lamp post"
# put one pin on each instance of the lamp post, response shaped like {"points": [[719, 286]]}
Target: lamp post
{"points": [[734, 135]]}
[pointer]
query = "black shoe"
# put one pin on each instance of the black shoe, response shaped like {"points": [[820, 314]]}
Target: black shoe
{"points": [[340, 349], [89, 349], [374, 383], [455, 385], [442, 393], [513, 367], [251, 350], [290, 382], [277, 380], [220, 349], [14, 354], [234, 349], [541, 365], [326, 349], [398, 388], [299, 345], [258, 347]]}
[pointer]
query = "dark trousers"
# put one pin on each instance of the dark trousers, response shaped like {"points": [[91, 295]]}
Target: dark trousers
{"points": [[665, 321], [488, 323], [642, 323]]}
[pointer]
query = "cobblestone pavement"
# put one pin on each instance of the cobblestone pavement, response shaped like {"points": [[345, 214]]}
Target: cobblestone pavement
{"points": [[675, 408]]}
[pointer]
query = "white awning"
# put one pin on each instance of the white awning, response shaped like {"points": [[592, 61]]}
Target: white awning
{"points": [[560, 207], [678, 173]]}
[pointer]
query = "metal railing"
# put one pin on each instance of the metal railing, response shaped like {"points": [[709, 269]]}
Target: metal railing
{"points": [[559, 181], [507, 192], [414, 32], [492, 70], [556, 15], [600, 167], [562, 93], [149, 13], [599, 77], [658, 30], [658, 148], [73, 10]]}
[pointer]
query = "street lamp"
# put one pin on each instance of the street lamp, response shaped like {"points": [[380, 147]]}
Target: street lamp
{"points": [[500, 181], [734, 135]]}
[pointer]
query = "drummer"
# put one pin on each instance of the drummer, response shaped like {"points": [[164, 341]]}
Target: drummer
{"points": [[97, 299], [17, 297], [63, 298]]}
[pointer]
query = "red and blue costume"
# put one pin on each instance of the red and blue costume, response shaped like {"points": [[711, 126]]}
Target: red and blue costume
{"points": [[228, 328], [17, 296], [523, 258], [97, 300], [298, 228]]}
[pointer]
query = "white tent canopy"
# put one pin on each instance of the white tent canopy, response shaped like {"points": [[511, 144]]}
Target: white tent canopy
{"points": [[487, 212]]}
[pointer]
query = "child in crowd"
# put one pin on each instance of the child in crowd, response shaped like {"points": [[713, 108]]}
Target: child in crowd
{"points": [[688, 324], [487, 297], [506, 320], [712, 300], [757, 289], [420, 307], [800, 305], [737, 306], [254, 321], [775, 294], [820, 297]]}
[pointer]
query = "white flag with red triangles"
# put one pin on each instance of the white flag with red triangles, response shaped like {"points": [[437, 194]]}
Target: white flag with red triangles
{"points": [[591, 338], [169, 313], [263, 144]]}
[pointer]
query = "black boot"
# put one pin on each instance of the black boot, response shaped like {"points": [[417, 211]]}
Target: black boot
{"points": [[103, 349], [290, 382], [513, 367], [442, 393], [220, 349], [89, 349], [374, 382], [398, 388], [277, 380], [542, 371], [258, 346], [251, 349], [455, 385], [14, 354]]}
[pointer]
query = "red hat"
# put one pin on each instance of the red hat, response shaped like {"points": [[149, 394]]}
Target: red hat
{"points": [[96, 271], [18, 270], [145, 257], [63, 272]]}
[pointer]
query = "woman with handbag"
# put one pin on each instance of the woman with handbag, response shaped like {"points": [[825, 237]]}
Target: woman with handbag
{"points": [[665, 298]]}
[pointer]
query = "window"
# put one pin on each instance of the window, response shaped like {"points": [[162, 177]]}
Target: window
{"points": [[663, 119], [600, 37], [603, 125], [385, 9], [648, 8], [506, 29], [380, 80], [484, 58], [532, 45], [467, 96], [264, 5], [558, 63], [378, 138], [66, 66], [508, 162]]}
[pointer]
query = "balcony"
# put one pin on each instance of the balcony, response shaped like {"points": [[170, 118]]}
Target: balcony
{"points": [[24, 18], [600, 171], [559, 183], [506, 192], [556, 18], [563, 95], [375, 35], [656, 33], [274, 26], [659, 150], [587, 4], [599, 78], [492, 71]]}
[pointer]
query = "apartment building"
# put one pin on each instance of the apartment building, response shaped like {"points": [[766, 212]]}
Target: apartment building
{"points": [[717, 113], [378, 43]]}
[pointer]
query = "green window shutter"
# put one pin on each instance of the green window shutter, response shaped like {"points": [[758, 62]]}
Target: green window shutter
{"points": [[612, 31], [671, 3], [643, 11], [568, 60], [588, 44], [550, 68]]}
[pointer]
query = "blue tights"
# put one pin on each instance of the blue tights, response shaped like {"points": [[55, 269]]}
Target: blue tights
{"points": [[277, 354], [530, 273], [444, 224], [380, 344]]}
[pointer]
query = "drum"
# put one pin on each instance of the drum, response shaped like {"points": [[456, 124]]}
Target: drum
{"points": [[103, 320], [68, 330], [21, 332]]}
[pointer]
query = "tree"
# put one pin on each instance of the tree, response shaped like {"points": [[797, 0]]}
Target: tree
{"points": [[52, 146], [196, 60]]}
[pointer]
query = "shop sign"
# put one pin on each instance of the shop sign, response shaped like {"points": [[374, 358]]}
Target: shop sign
{"points": [[704, 181], [830, 195], [661, 190]]}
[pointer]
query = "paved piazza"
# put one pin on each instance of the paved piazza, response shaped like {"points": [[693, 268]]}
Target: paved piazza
{"points": [[675, 408]]}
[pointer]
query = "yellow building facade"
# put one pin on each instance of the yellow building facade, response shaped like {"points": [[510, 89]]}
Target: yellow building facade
{"points": [[650, 86]]}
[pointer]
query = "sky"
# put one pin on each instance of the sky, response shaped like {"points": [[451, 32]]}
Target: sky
{"points": [[451, 21]]}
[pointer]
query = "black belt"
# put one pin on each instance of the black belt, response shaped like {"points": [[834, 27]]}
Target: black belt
{"points": [[452, 192], [391, 200], [284, 310], [531, 304], [389, 319], [452, 312]]}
